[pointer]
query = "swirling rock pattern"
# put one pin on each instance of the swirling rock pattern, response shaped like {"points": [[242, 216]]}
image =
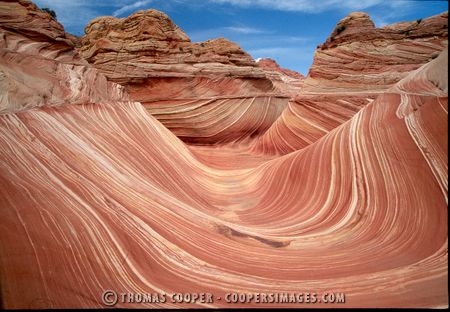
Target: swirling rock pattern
{"points": [[362, 57], [39, 66], [205, 111], [354, 65], [357, 62], [99, 196], [210, 92]]}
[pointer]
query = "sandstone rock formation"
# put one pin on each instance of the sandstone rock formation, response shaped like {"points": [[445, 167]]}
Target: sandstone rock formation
{"points": [[192, 88], [155, 61], [96, 194], [148, 44], [39, 66], [354, 65], [362, 57], [287, 81], [272, 66]]}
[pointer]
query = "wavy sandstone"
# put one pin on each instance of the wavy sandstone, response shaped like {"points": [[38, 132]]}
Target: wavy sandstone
{"points": [[206, 93], [354, 65], [97, 194]]}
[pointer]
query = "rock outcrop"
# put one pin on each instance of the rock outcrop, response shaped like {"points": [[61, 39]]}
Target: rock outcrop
{"points": [[287, 81], [192, 88], [272, 66], [39, 65], [355, 64], [96, 194], [208, 83], [23, 18], [359, 56], [148, 44]]}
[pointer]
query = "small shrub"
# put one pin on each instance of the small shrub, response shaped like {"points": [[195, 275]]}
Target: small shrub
{"points": [[340, 29], [405, 32], [50, 11], [419, 21]]}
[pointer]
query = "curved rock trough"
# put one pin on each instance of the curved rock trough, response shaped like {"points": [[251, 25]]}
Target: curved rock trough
{"points": [[136, 161]]}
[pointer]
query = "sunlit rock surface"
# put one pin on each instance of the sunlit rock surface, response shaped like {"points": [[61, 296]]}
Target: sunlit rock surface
{"points": [[271, 65], [39, 66], [96, 194], [354, 65], [210, 92], [364, 58]]}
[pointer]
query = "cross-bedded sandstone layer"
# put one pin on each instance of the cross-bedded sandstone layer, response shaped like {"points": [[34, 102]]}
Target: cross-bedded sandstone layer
{"points": [[194, 89], [355, 64], [151, 57], [39, 65], [96, 194], [359, 56], [284, 73]]}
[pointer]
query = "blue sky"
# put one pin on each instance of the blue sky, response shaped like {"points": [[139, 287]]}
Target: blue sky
{"points": [[285, 30]]}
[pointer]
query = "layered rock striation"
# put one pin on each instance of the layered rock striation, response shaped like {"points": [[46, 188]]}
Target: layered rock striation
{"points": [[194, 89], [359, 56], [272, 66], [355, 64], [148, 44], [39, 65], [96, 194]]}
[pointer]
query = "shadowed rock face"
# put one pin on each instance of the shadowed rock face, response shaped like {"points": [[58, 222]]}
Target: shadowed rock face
{"points": [[96, 194]]}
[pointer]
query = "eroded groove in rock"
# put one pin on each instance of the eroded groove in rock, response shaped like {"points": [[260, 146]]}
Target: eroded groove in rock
{"points": [[148, 220], [97, 194]]}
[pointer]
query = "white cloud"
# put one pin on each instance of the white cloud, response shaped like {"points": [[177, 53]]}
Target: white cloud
{"points": [[70, 13], [395, 15], [245, 30], [228, 32], [74, 15], [307, 6], [131, 7]]}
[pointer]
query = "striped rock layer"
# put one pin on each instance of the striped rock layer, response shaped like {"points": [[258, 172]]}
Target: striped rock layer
{"points": [[356, 63], [214, 93], [210, 92], [283, 73], [39, 66], [101, 196]]}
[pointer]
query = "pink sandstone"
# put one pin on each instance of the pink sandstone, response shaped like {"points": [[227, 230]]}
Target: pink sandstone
{"points": [[97, 194], [192, 88], [271, 65], [355, 64]]}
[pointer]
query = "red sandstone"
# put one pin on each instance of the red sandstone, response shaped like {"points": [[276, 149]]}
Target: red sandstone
{"points": [[342, 188]]}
